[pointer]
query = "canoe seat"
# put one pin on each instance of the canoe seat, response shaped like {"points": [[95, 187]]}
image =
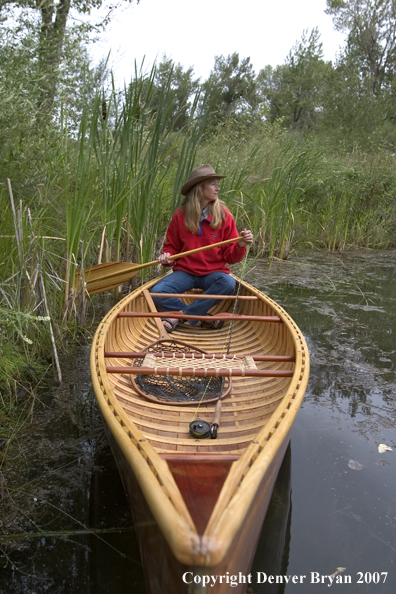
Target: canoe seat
{"points": [[199, 361]]}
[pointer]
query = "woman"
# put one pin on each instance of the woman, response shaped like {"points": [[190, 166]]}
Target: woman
{"points": [[202, 219]]}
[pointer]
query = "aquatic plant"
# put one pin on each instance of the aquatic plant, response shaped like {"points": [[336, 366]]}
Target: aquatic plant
{"points": [[354, 206], [24, 304], [275, 201]]}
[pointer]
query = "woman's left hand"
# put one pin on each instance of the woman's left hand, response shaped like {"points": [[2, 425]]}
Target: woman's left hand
{"points": [[247, 237]]}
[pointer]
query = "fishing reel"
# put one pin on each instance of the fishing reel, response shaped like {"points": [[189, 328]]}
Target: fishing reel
{"points": [[199, 429], [213, 431], [202, 429]]}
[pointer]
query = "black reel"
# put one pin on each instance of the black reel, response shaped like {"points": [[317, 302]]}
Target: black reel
{"points": [[213, 431], [200, 429]]}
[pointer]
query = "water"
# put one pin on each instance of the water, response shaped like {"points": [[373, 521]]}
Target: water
{"points": [[343, 489], [334, 504]]}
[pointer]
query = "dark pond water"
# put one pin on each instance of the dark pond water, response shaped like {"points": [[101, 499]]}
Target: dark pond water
{"points": [[65, 523]]}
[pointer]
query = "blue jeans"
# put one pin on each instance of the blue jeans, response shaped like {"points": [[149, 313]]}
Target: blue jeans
{"points": [[216, 283]]}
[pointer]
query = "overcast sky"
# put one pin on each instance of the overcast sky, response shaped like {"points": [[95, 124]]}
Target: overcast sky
{"points": [[193, 32]]}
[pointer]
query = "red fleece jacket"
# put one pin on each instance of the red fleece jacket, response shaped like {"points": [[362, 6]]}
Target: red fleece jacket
{"points": [[180, 239]]}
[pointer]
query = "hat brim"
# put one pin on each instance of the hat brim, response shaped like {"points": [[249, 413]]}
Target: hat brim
{"points": [[193, 182]]}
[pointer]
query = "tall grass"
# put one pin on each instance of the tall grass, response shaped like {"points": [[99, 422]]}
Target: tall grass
{"points": [[191, 137], [78, 190], [152, 140], [25, 317], [135, 147], [276, 201], [355, 204], [339, 217]]}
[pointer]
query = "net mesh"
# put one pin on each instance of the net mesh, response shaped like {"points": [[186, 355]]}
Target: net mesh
{"points": [[177, 389], [180, 389]]}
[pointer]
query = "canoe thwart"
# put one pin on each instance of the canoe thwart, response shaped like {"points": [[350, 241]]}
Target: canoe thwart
{"points": [[182, 316], [203, 296], [201, 371], [141, 354]]}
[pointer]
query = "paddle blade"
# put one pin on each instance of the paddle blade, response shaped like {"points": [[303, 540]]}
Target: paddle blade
{"points": [[104, 277]]}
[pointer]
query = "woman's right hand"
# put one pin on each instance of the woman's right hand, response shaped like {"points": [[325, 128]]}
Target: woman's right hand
{"points": [[164, 259]]}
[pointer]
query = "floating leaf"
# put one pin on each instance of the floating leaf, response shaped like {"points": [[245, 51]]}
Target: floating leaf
{"points": [[337, 571], [355, 465], [382, 447], [382, 463]]}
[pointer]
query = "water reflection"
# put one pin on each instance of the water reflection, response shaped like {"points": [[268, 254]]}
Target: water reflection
{"points": [[341, 490], [272, 555]]}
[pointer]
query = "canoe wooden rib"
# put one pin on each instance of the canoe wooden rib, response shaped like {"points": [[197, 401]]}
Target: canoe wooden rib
{"points": [[199, 504]]}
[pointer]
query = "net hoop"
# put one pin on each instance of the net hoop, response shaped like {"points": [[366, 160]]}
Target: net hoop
{"points": [[169, 345]]}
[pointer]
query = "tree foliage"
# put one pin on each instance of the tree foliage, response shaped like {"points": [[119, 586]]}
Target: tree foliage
{"points": [[51, 17], [45, 69], [371, 29], [182, 85], [233, 89], [293, 91]]}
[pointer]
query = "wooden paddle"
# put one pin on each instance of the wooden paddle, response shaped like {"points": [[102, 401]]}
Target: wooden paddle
{"points": [[104, 277]]}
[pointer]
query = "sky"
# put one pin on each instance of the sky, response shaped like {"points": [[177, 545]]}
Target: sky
{"points": [[193, 32]]}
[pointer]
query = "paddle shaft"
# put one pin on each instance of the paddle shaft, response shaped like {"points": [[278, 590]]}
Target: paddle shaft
{"points": [[114, 270], [196, 250]]}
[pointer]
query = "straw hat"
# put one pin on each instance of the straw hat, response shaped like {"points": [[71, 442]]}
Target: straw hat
{"points": [[200, 174]]}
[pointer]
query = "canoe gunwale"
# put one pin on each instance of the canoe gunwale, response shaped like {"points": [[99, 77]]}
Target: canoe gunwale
{"points": [[152, 472]]}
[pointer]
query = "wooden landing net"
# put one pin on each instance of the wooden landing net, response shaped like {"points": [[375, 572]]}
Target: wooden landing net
{"points": [[178, 388]]}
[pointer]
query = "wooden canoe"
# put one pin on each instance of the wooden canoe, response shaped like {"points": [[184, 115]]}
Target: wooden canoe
{"points": [[198, 504]]}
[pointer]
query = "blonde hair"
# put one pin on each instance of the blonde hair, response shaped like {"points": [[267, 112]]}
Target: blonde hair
{"points": [[191, 206]]}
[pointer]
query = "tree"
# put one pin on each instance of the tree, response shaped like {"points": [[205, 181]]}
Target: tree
{"points": [[273, 91], [294, 90], [17, 85], [371, 28], [182, 85], [53, 16], [21, 81], [351, 113], [232, 88]]}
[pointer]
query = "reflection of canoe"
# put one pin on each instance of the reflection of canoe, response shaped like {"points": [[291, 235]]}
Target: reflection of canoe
{"points": [[272, 553], [199, 504]]}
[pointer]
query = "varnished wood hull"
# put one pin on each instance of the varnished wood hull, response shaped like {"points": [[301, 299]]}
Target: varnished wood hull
{"points": [[163, 573], [198, 505]]}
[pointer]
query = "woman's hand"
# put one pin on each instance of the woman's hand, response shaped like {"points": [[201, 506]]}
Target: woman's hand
{"points": [[164, 259], [247, 237]]}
